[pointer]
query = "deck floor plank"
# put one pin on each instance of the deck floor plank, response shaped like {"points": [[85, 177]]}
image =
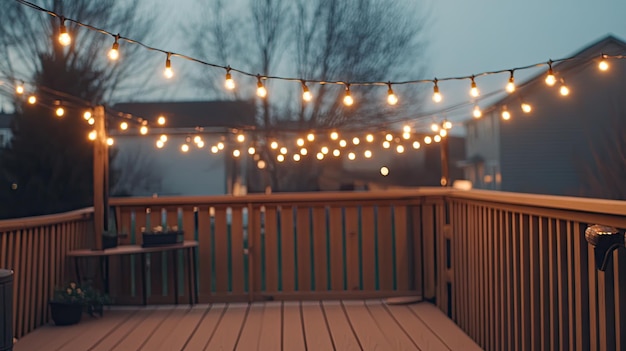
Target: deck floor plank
{"points": [[370, 336], [340, 329], [293, 333], [450, 333], [206, 328], [116, 336], [183, 330], [144, 330], [271, 327], [416, 329], [396, 336], [168, 328], [315, 327], [251, 332], [86, 340], [229, 328]]}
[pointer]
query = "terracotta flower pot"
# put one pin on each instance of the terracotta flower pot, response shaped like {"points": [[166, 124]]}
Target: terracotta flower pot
{"points": [[64, 313]]}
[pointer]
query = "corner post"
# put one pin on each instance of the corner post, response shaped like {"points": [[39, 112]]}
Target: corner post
{"points": [[100, 163]]}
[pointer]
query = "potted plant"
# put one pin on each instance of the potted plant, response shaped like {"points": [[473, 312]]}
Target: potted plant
{"points": [[68, 304]]}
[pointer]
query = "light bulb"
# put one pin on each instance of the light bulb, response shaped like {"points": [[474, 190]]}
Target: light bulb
{"points": [[320, 156], [389, 137], [296, 157], [60, 111], [343, 143], [506, 115], [474, 89], [241, 138], [283, 150], [160, 144], [214, 149], [32, 99], [184, 148], [310, 137], [324, 150], [161, 120], [369, 138], [434, 127], [334, 135], [603, 65], [64, 36], [236, 153], [406, 135], [386, 144], [220, 146], [300, 142], [87, 115], [406, 129], [428, 140], [163, 138], [443, 133], [356, 141], [197, 139], [399, 149], [274, 145], [93, 135], [416, 145], [306, 94], [336, 152], [550, 78], [437, 138], [304, 151], [367, 154], [168, 72], [392, 99], [261, 164], [200, 144], [251, 150], [351, 156], [260, 88], [347, 99], [19, 88], [384, 171], [114, 53], [564, 90], [437, 97], [447, 124], [526, 108], [510, 86], [477, 112], [280, 158], [91, 121], [229, 83], [123, 126], [143, 130], [110, 141]]}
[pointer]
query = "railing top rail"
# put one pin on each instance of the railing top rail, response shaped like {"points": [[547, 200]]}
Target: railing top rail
{"points": [[39, 221]]}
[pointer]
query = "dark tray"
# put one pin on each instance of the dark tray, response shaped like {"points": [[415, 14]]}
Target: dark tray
{"points": [[160, 238]]}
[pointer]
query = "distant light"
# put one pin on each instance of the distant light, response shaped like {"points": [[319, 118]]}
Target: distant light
{"points": [[384, 171], [184, 148], [274, 145], [93, 135], [477, 112], [283, 150], [564, 90], [343, 143], [241, 138], [399, 149], [406, 135], [87, 115], [143, 130], [163, 138], [324, 150], [336, 152], [91, 121], [603, 65], [110, 141], [280, 158], [526, 108], [369, 138], [310, 137], [351, 156], [300, 142], [296, 157], [389, 137], [356, 141], [434, 127], [251, 150], [416, 145], [32, 99], [60, 111], [214, 149], [161, 120], [428, 140], [386, 144], [320, 156], [220, 146], [236, 153], [367, 154], [437, 138], [261, 164], [334, 135], [304, 151], [506, 115], [160, 144]]}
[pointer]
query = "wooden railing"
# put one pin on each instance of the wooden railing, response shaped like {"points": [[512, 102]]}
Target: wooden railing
{"points": [[516, 273], [290, 246], [34, 248]]}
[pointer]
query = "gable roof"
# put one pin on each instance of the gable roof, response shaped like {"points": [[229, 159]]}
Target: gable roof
{"points": [[191, 114]]}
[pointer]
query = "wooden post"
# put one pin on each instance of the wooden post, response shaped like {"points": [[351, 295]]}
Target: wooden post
{"points": [[99, 166], [445, 173]]}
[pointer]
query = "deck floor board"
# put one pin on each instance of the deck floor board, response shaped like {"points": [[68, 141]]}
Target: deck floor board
{"points": [[326, 325]]}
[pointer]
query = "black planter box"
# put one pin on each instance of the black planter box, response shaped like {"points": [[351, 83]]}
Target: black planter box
{"points": [[109, 242], [161, 238]]}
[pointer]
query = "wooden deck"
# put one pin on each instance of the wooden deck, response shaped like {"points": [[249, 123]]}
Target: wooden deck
{"points": [[326, 325]]}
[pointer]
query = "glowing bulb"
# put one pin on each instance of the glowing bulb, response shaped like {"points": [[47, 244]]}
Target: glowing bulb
{"points": [[283, 150], [114, 53], [324, 150], [123, 126], [260, 88], [386, 144], [110, 141], [280, 158], [161, 120], [392, 99], [160, 144], [91, 121], [93, 135], [474, 89], [550, 78], [603, 65], [389, 137], [214, 149], [356, 141], [19, 89], [306, 94], [384, 171], [320, 156], [300, 142], [229, 83], [220, 146], [296, 157], [87, 115], [303, 151], [428, 140], [506, 115], [60, 111], [434, 127], [406, 129], [437, 97], [351, 156], [343, 143], [416, 145], [399, 149], [564, 90], [168, 72], [477, 112], [447, 124], [310, 137], [261, 164], [443, 132], [32, 99], [334, 135], [347, 99], [241, 138], [336, 152], [197, 139], [251, 150], [437, 138], [367, 154], [526, 108], [236, 153], [510, 86], [143, 130], [369, 138], [184, 148], [274, 145], [64, 36], [200, 144], [163, 138], [406, 135]]}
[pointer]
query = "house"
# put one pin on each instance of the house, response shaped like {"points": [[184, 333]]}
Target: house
{"points": [[566, 145], [5, 128], [147, 170]]}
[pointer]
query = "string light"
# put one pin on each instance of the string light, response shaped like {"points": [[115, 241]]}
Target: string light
{"points": [[384, 171], [437, 138], [437, 97], [220, 146], [19, 88], [161, 120], [400, 149], [389, 137], [367, 154], [434, 127], [300, 142], [356, 141], [60, 111], [163, 138], [241, 138], [334, 135], [229, 83], [91, 121], [251, 150], [87, 115], [274, 145], [92, 135], [214, 149], [32, 99], [406, 135], [64, 37], [184, 148], [200, 144], [324, 150], [443, 133], [343, 143], [428, 140], [473, 88], [304, 151], [351, 156], [296, 157], [260, 88], [392, 99], [386, 144], [280, 158], [550, 78], [510, 86], [320, 156], [310, 137], [123, 126], [564, 90], [236, 153], [416, 145], [306, 94], [369, 138], [526, 108], [347, 99], [283, 150], [336, 153], [447, 124], [506, 115], [261, 164], [110, 141], [160, 144], [114, 53], [603, 65], [477, 113], [143, 130], [168, 72], [197, 139]]}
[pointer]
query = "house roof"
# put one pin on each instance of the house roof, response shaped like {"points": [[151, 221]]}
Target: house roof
{"points": [[609, 45], [5, 120], [191, 114]]}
